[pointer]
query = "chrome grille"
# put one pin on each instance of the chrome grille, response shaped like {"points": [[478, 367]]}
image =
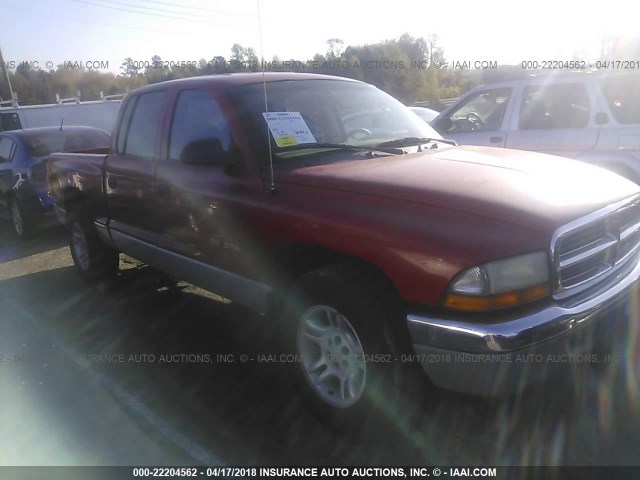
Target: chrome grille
{"points": [[592, 248]]}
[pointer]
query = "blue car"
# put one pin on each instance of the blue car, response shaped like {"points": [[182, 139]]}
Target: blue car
{"points": [[24, 195]]}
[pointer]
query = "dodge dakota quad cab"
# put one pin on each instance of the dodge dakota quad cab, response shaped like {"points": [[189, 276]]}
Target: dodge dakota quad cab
{"points": [[368, 241]]}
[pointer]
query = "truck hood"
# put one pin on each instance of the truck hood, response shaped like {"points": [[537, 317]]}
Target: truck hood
{"points": [[529, 189]]}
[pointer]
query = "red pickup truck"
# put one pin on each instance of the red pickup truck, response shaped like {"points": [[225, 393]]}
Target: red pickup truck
{"points": [[370, 243]]}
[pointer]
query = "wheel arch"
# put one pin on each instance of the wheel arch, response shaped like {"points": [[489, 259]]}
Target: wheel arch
{"points": [[294, 261], [297, 259], [70, 199]]}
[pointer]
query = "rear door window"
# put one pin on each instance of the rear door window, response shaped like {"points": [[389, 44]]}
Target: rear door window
{"points": [[557, 106], [143, 126], [622, 94]]}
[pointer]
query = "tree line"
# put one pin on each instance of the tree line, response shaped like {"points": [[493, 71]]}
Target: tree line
{"points": [[411, 69]]}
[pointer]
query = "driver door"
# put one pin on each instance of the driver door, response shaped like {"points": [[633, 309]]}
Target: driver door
{"points": [[479, 119]]}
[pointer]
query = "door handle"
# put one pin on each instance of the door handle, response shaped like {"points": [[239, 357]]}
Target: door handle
{"points": [[112, 182], [496, 139]]}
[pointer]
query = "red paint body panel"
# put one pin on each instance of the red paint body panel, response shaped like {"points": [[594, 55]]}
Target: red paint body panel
{"points": [[420, 247], [421, 218]]}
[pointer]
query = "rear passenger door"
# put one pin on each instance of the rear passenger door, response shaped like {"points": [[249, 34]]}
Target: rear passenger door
{"points": [[199, 201], [130, 170], [555, 118]]}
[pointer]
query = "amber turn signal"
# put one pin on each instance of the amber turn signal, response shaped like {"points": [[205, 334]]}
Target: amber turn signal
{"points": [[476, 303]]}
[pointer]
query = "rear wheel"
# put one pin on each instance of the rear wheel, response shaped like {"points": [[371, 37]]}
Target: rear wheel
{"points": [[95, 261], [342, 327]]}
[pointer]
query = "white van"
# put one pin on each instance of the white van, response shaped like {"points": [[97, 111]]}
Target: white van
{"points": [[590, 116], [99, 114]]}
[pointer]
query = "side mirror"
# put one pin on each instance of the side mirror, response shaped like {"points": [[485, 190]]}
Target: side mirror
{"points": [[442, 124], [205, 151]]}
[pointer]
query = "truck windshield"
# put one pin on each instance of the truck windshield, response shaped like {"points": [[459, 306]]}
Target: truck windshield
{"points": [[324, 112]]}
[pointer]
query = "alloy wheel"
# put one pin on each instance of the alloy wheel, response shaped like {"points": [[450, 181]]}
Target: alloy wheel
{"points": [[332, 356]]}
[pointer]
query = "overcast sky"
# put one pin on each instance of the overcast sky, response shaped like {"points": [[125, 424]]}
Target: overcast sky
{"points": [[111, 30]]}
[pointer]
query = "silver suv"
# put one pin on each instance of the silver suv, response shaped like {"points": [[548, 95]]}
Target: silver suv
{"points": [[589, 116]]}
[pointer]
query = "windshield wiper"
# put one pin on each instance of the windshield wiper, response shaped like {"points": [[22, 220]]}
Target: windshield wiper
{"points": [[343, 146], [412, 141]]}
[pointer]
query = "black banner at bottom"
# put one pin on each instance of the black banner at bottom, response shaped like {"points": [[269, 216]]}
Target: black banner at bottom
{"points": [[334, 473]]}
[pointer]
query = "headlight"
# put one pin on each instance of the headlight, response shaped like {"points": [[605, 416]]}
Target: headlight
{"points": [[501, 284]]}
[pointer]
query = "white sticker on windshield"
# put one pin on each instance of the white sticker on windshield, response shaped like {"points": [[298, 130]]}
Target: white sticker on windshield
{"points": [[288, 128]]}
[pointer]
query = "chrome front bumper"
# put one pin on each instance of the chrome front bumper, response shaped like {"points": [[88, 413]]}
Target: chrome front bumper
{"points": [[480, 357]]}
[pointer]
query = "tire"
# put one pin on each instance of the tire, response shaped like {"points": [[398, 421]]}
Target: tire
{"points": [[20, 223], [94, 261], [342, 328]]}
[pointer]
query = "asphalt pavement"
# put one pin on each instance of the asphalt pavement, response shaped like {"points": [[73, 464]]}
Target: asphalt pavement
{"points": [[144, 372]]}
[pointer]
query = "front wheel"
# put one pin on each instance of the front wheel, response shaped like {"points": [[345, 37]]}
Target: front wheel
{"points": [[332, 356], [95, 261], [344, 329]]}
